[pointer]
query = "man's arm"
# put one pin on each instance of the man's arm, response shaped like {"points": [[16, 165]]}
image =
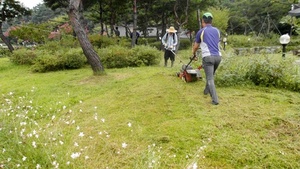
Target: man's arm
{"points": [[195, 48], [175, 39], [163, 39]]}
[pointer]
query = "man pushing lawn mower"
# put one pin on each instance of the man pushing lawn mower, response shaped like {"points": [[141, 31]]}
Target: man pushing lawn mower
{"points": [[208, 39]]}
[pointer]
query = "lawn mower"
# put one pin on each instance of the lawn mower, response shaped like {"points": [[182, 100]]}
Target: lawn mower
{"points": [[188, 74]]}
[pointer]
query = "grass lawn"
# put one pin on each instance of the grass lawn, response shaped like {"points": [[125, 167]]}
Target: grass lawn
{"points": [[136, 118]]}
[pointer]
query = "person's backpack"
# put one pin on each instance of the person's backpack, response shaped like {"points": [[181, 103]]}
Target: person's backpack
{"points": [[168, 35]]}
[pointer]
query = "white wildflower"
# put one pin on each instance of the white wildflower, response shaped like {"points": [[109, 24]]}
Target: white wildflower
{"points": [[124, 145], [34, 144], [23, 123], [55, 164], [129, 124], [75, 155], [24, 158], [81, 134], [195, 166]]}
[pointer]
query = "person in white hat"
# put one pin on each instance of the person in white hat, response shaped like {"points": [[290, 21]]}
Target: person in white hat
{"points": [[169, 41]]}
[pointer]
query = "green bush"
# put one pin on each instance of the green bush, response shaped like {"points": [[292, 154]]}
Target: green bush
{"points": [[145, 56], [118, 56], [102, 41], [241, 41], [232, 71], [185, 44], [74, 59], [23, 56], [143, 41], [66, 42], [265, 72], [259, 70], [156, 45], [59, 60], [47, 63], [4, 53]]}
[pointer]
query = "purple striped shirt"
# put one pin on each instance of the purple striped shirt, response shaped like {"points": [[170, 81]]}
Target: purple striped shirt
{"points": [[209, 41]]}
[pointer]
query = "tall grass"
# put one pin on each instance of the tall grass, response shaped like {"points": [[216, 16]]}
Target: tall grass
{"points": [[142, 118]]}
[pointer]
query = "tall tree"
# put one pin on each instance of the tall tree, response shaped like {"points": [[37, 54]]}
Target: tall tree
{"points": [[134, 24], [259, 16], [74, 10], [10, 9], [41, 13]]}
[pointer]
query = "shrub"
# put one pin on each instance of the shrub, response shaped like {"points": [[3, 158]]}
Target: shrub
{"points": [[185, 44], [143, 41], [259, 70], [101, 41], [47, 63], [117, 56], [265, 72], [59, 60], [232, 71], [156, 45], [74, 59], [146, 55], [4, 53], [23, 56], [63, 43]]}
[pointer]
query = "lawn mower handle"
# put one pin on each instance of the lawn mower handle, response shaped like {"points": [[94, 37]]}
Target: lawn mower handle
{"points": [[191, 59]]}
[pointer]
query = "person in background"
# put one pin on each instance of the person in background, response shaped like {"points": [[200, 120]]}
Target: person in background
{"points": [[117, 32], [208, 38], [136, 38], [170, 41]]}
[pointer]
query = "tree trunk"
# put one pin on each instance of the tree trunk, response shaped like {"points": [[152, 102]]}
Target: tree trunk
{"points": [[88, 50], [178, 19], [5, 40], [134, 24], [199, 18], [101, 16]]}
